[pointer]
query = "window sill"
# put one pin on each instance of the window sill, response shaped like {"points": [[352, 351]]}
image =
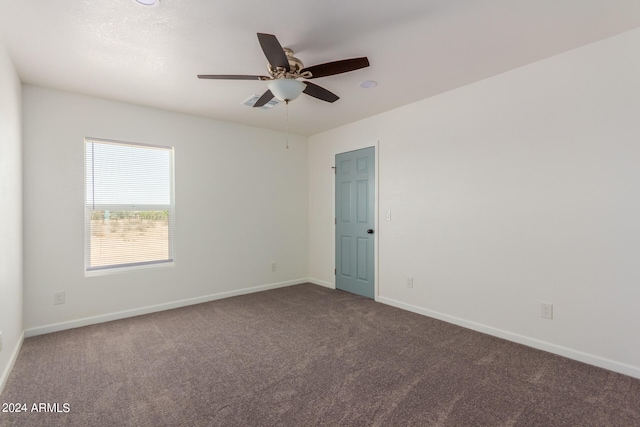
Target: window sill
{"points": [[126, 269]]}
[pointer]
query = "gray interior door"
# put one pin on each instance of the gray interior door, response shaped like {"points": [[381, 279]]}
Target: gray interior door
{"points": [[355, 191]]}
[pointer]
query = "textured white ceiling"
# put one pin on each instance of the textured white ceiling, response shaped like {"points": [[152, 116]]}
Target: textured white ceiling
{"points": [[120, 50]]}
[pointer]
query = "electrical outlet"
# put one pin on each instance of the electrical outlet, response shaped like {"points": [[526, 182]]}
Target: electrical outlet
{"points": [[274, 266], [546, 310], [409, 282], [58, 298]]}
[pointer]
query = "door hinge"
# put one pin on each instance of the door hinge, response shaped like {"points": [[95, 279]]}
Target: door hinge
{"points": [[335, 271]]}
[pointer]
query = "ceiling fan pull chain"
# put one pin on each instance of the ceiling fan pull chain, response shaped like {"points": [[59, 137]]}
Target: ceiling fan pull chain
{"points": [[286, 102]]}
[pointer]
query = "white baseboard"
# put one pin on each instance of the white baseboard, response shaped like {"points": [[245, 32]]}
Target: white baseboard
{"points": [[321, 283], [12, 361], [55, 327], [612, 365]]}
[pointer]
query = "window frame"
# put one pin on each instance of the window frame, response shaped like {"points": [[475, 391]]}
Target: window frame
{"points": [[90, 207]]}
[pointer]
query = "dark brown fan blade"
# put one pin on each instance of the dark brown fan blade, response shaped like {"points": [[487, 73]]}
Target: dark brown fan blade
{"points": [[273, 51], [231, 77], [320, 92], [266, 97], [336, 67]]}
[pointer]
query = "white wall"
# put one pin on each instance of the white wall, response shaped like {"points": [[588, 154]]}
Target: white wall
{"points": [[10, 214], [241, 204], [519, 189]]}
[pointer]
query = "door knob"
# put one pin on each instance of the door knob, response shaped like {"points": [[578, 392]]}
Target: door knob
{"points": [[370, 231]]}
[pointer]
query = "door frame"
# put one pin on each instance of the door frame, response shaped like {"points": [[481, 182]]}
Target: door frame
{"points": [[376, 216]]}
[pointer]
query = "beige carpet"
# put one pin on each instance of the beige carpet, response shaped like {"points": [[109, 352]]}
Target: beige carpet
{"points": [[305, 356]]}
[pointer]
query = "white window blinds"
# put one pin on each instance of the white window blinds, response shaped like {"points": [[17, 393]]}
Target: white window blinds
{"points": [[129, 204]]}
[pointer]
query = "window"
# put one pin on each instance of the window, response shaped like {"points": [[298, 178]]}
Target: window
{"points": [[129, 206]]}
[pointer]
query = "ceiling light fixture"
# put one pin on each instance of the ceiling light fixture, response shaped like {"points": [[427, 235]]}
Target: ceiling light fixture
{"points": [[148, 2], [286, 89], [368, 84]]}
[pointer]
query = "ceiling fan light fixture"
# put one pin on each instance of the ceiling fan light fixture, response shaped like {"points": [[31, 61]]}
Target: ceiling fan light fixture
{"points": [[286, 89]]}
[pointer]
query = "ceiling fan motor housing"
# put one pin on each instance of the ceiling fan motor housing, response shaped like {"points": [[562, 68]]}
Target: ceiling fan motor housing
{"points": [[294, 63]]}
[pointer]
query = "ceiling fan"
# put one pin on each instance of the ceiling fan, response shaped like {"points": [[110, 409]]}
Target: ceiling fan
{"points": [[285, 70]]}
